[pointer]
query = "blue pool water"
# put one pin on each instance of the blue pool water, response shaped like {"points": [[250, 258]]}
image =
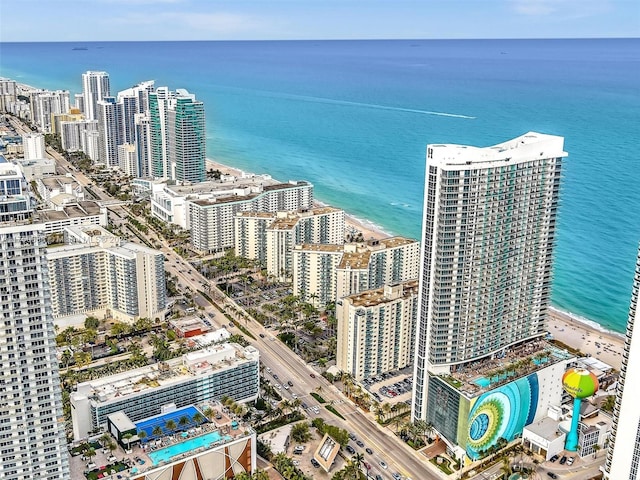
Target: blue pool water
{"points": [[166, 454], [482, 382], [160, 420]]}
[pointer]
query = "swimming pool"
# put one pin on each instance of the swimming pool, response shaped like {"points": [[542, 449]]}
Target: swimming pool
{"points": [[166, 454], [483, 382], [160, 421]]}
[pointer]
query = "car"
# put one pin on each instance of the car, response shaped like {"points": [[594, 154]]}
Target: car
{"points": [[277, 385], [91, 465], [554, 458], [315, 463], [304, 406], [360, 443], [268, 369], [350, 449], [352, 436], [369, 451], [367, 465], [312, 375], [383, 464], [570, 460], [294, 395], [396, 476], [286, 387], [552, 475], [261, 335], [275, 376], [379, 477], [563, 460], [290, 383], [296, 462]]}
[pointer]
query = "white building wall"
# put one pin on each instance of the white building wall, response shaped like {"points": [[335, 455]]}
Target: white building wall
{"points": [[33, 146], [623, 456]]}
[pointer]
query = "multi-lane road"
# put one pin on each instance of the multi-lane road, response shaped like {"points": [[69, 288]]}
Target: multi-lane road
{"points": [[288, 366]]}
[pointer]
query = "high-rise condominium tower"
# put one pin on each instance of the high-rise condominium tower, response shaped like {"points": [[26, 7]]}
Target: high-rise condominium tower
{"points": [[177, 131], [95, 86], [488, 234], [623, 456], [32, 436]]}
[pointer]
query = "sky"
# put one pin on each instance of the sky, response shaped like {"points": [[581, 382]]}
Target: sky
{"points": [[130, 20]]}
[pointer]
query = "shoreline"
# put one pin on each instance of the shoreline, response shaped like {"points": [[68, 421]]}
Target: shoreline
{"points": [[352, 224], [577, 332]]}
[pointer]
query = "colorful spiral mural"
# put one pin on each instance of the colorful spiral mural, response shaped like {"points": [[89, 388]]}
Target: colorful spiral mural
{"points": [[501, 413]]}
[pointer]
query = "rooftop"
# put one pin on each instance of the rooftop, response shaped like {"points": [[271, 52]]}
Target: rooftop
{"points": [[85, 208], [288, 220], [162, 374], [356, 260], [371, 298], [320, 247], [475, 378], [529, 146]]}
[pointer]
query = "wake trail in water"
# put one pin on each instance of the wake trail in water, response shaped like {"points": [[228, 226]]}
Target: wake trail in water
{"points": [[331, 101]]}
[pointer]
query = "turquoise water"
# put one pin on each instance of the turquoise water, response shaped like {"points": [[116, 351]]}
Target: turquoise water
{"points": [[482, 382], [166, 454], [354, 118]]}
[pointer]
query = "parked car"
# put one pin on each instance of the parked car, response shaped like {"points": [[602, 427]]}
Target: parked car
{"points": [[290, 383], [383, 464], [552, 475], [315, 463], [563, 460], [369, 451], [554, 458], [350, 449], [570, 460], [360, 443]]}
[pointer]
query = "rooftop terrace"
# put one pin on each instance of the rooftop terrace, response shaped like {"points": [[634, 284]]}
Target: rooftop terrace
{"points": [[216, 357], [475, 378]]}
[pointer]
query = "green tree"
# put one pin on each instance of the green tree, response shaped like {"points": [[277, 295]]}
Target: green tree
{"points": [[170, 425], [157, 431], [91, 323], [300, 432]]}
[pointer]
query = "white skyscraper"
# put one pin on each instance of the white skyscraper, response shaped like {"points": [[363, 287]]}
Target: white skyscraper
{"points": [[33, 145], [623, 456], [487, 242], [32, 435], [95, 87], [110, 130]]}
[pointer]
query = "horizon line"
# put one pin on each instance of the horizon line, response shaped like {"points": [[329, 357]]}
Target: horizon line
{"points": [[325, 39]]}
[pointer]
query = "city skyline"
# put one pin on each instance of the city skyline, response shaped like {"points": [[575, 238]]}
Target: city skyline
{"points": [[315, 20]]}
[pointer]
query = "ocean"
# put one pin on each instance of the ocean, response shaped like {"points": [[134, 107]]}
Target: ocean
{"points": [[354, 118]]}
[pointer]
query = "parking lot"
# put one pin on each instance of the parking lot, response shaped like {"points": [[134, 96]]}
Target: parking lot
{"points": [[391, 388]]}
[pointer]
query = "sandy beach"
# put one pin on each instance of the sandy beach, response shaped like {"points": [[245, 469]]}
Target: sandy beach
{"points": [[605, 346]]}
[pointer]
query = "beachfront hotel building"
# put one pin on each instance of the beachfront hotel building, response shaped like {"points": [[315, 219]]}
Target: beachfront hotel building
{"points": [[269, 237], [177, 135], [485, 270], [323, 274], [32, 434], [98, 273], [95, 87], [208, 209], [623, 456], [197, 377], [376, 330]]}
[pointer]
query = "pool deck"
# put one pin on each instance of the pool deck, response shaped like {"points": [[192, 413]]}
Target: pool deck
{"points": [[137, 452], [523, 356]]}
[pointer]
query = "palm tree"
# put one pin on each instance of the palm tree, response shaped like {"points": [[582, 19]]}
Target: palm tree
{"points": [[142, 434], [198, 418], [208, 412], [184, 421], [157, 431]]}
